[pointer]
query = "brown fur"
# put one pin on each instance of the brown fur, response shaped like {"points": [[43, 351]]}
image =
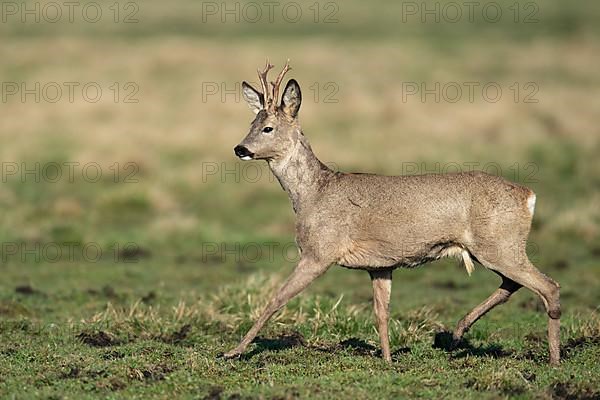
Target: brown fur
{"points": [[380, 223]]}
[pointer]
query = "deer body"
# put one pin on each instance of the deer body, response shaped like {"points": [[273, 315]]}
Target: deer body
{"points": [[371, 222], [379, 223]]}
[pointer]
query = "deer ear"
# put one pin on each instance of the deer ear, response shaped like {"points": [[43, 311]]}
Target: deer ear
{"points": [[291, 99], [253, 97]]}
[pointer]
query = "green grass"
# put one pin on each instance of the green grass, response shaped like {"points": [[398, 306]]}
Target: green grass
{"points": [[141, 330], [179, 280]]}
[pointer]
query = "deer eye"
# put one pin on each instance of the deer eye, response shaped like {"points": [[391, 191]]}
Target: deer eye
{"points": [[267, 129]]}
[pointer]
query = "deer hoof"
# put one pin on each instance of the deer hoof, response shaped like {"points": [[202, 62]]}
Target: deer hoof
{"points": [[233, 354]]}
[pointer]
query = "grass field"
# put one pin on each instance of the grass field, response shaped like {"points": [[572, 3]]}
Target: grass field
{"points": [[135, 247]]}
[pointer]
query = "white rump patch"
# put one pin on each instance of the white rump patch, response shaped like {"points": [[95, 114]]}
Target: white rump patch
{"points": [[531, 203], [246, 158], [462, 255]]}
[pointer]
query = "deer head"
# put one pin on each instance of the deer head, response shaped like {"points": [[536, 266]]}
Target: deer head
{"points": [[276, 129]]}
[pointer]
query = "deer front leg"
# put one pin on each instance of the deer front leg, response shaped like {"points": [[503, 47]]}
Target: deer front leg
{"points": [[305, 272], [382, 287]]}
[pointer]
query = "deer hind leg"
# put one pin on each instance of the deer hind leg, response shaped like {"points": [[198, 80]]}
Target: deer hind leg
{"points": [[520, 270], [382, 287], [501, 295], [549, 291]]}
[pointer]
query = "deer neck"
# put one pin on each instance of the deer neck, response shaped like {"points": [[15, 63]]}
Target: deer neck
{"points": [[300, 173]]}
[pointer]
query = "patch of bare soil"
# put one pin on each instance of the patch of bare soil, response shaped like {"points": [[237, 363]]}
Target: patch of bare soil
{"points": [[570, 391], [574, 344], [151, 373], [28, 290], [178, 336], [98, 338], [149, 297], [134, 253]]}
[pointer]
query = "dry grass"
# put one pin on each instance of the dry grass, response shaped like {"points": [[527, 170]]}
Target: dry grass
{"points": [[152, 328], [176, 129]]}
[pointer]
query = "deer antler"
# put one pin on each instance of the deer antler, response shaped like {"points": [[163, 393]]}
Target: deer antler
{"points": [[277, 82], [271, 96], [262, 77]]}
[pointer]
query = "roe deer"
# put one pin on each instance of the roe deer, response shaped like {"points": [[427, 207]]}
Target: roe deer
{"points": [[380, 223]]}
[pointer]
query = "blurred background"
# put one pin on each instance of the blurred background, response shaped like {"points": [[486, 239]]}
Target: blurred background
{"points": [[118, 122]]}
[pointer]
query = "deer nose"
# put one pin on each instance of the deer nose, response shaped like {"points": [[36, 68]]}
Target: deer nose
{"points": [[243, 152]]}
